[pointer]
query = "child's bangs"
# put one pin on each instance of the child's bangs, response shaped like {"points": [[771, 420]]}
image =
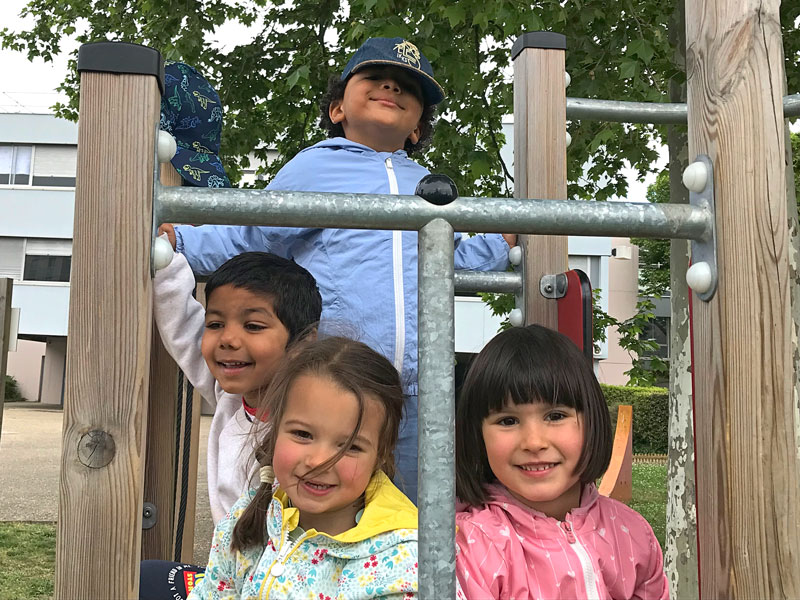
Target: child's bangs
{"points": [[532, 375]]}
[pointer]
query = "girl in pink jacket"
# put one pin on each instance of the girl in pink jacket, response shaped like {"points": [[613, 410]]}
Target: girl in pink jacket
{"points": [[532, 436]]}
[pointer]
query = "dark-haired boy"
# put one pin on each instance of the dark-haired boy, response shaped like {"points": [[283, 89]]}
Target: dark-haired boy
{"points": [[256, 305], [378, 111]]}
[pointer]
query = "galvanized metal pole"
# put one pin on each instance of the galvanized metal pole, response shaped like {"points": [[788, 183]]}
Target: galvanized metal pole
{"points": [[232, 206], [669, 113], [437, 493]]}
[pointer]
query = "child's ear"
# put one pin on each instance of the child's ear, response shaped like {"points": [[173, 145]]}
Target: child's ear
{"points": [[335, 111], [414, 135]]}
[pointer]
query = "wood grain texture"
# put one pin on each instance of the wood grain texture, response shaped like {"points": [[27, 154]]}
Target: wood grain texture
{"points": [[162, 429], [747, 462], [6, 288], [160, 464], [107, 376], [540, 165]]}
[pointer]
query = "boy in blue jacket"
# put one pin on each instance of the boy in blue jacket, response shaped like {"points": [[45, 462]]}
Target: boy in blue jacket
{"points": [[378, 111]]}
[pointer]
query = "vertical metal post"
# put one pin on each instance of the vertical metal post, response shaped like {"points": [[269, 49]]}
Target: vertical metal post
{"points": [[436, 412]]}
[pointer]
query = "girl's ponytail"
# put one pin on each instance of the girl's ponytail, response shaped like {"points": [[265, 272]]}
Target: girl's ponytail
{"points": [[251, 527]]}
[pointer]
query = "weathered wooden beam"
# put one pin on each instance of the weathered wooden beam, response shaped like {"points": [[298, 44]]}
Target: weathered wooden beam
{"points": [[540, 157], [747, 461], [6, 287], [107, 377]]}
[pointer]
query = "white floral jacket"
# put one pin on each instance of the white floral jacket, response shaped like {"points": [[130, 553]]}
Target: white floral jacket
{"points": [[375, 559]]}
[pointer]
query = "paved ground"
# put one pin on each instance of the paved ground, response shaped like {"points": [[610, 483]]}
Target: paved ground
{"points": [[30, 456]]}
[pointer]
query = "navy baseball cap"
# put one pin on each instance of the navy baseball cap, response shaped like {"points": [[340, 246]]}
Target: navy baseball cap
{"points": [[191, 112], [399, 53]]}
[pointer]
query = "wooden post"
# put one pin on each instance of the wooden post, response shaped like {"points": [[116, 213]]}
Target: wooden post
{"points": [[540, 156], [166, 433], [747, 462], [107, 377], [6, 287]]}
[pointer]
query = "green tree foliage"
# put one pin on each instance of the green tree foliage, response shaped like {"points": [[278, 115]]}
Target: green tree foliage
{"points": [[654, 254], [271, 82]]}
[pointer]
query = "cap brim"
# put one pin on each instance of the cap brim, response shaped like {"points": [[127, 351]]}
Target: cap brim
{"points": [[432, 92], [200, 169]]}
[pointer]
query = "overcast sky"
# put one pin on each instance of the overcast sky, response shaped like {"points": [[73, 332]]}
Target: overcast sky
{"points": [[27, 86]]}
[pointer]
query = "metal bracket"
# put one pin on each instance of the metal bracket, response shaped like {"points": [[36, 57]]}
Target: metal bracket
{"points": [[149, 515], [553, 287], [706, 250]]}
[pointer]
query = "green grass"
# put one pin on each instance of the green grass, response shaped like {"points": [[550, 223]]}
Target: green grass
{"points": [[28, 555], [27, 560], [650, 497]]}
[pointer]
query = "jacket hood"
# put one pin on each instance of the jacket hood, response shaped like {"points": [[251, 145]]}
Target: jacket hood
{"points": [[386, 510]]}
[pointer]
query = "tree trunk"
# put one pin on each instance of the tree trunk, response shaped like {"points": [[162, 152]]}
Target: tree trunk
{"points": [[680, 555]]}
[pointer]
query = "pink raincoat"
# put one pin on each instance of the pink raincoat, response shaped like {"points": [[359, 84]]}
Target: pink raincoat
{"points": [[603, 549]]}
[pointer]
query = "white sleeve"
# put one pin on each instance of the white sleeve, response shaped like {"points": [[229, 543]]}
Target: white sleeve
{"points": [[181, 322]]}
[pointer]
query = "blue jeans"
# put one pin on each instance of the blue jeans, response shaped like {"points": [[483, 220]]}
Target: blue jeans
{"points": [[406, 452]]}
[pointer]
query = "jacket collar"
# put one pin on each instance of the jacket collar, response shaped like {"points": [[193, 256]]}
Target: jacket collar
{"points": [[340, 143], [386, 509], [501, 499]]}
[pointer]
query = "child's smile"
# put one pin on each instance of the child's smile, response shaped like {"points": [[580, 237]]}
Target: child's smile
{"points": [[533, 450], [381, 108], [319, 418], [243, 342]]}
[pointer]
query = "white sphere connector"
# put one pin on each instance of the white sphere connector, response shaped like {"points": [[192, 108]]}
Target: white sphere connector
{"points": [[695, 177], [515, 255], [167, 147], [569, 139], [162, 252], [567, 79], [516, 317], [698, 276]]}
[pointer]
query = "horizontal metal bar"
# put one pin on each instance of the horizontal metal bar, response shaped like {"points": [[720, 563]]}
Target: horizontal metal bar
{"points": [[648, 112], [488, 281], [234, 206]]}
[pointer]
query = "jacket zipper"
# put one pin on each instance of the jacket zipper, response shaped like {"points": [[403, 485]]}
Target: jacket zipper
{"points": [[278, 565], [397, 265], [586, 562]]}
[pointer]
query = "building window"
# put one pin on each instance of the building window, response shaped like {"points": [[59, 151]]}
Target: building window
{"points": [[46, 165], [47, 260], [15, 164], [47, 268], [55, 165]]}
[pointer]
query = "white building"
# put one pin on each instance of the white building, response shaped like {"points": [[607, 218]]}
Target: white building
{"points": [[38, 155]]}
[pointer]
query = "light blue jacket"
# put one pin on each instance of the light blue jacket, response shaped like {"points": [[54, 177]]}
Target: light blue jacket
{"points": [[367, 278]]}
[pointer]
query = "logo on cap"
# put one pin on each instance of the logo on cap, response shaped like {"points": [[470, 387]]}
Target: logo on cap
{"points": [[408, 53]]}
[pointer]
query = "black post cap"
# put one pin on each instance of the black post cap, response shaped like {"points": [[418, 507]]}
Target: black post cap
{"points": [[539, 39], [437, 189], [122, 57]]}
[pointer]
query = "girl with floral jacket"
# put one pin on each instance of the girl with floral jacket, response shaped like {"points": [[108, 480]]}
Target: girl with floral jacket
{"points": [[332, 525]]}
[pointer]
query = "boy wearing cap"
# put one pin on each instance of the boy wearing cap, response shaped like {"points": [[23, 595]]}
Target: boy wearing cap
{"points": [[378, 111]]}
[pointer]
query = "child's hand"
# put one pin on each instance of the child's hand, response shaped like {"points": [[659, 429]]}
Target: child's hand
{"points": [[169, 229], [510, 238]]}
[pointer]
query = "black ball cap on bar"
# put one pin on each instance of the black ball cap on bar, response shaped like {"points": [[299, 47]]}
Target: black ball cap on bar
{"points": [[122, 57], [539, 39]]}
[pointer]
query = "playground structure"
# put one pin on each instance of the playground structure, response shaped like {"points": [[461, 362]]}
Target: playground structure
{"points": [[745, 413]]}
